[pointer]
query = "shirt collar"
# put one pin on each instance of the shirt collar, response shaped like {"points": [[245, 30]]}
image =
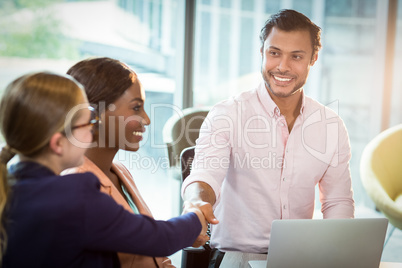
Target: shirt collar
{"points": [[269, 105], [266, 100], [303, 102]]}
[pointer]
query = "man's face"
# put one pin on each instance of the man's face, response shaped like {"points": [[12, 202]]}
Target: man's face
{"points": [[286, 61]]}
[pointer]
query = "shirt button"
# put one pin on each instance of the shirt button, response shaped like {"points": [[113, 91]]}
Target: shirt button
{"points": [[284, 206], [284, 179]]}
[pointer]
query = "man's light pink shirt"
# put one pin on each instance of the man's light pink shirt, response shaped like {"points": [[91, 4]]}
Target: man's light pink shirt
{"points": [[260, 172]]}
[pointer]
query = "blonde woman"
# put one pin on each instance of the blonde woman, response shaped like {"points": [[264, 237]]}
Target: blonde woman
{"points": [[48, 220]]}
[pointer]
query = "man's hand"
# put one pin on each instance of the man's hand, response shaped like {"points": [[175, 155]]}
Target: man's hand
{"points": [[205, 214], [206, 209], [167, 263], [201, 196]]}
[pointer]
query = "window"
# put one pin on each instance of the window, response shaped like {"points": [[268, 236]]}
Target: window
{"points": [[149, 34], [396, 110], [348, 75], [146, 34]]}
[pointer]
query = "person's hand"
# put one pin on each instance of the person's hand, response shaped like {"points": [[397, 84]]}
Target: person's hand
{"points": [[189, 207], [167, 263], [205, 214], [207, 210]]}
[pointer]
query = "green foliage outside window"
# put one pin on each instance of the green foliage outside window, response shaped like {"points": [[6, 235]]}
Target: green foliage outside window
{"points": [[30, 29]]}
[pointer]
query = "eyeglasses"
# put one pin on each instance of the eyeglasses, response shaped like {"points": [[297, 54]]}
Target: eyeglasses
{"points": [[93, 121]]}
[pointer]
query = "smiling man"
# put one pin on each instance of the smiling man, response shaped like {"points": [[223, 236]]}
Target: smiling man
{"points": [[260, 154]]}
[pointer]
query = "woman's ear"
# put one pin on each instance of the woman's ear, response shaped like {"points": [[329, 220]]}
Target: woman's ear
{"points": [[56, 143]]}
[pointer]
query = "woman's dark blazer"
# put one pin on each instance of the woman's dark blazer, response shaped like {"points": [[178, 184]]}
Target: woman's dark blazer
{"points": [[65, 221]]}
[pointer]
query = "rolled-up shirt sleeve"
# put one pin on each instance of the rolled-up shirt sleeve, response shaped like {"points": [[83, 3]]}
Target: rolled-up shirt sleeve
{"points": [[336, 194]]}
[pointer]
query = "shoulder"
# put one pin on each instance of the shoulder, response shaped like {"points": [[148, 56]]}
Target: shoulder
{"points": [[316, 110], [83, 181], [81, 188], [122, 168], [87, 166], [122, 172], [318, 117], [90, 167], [232, 104], [70, 192]]}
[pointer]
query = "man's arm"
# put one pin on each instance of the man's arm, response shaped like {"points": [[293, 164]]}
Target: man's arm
{"points": [[199, 192], [211, 160], [201, 195], [336, 194]]}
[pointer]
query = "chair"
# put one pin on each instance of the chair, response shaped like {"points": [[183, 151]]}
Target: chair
{"points": [[381, 174], [186, 160], [192, 257], [181, 131]]}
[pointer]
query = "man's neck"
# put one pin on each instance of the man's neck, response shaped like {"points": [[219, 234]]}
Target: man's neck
{"points": [[289, 106]]}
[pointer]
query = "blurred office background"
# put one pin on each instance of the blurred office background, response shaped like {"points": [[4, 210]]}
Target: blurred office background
{"points": [[358, 72]]}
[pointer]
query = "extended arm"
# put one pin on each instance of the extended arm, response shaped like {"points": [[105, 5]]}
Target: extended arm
{"points": [[109, 227], [203, 197], [211, 162]]}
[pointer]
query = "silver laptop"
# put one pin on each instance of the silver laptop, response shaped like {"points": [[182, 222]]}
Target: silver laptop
{"points": [[345, 243]]}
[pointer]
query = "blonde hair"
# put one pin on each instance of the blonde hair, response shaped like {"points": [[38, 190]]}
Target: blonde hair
{"points": [[32, 109]]}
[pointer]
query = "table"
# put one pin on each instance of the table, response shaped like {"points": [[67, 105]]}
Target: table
{"points": [[235, 259]]}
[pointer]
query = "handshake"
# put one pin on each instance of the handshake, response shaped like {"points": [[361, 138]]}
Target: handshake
{"points": [[205, 215]]}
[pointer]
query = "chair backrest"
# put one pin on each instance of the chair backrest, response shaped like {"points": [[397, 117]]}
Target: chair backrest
{"points": [[385, 159], [186, 160], [181, 131], [199, 256], [381, 173]]}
